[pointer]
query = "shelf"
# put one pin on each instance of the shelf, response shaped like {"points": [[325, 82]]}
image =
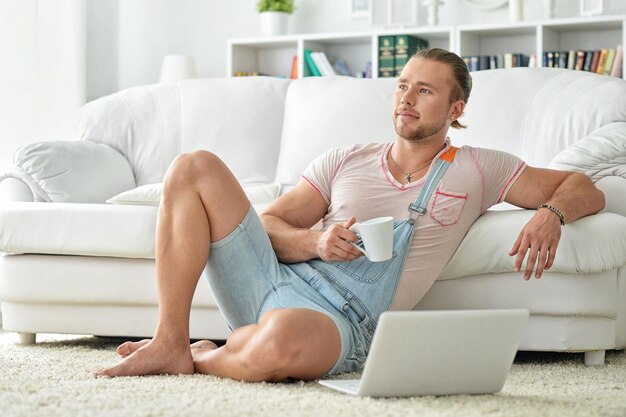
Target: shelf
{"points": [[273, 56], [497, 40]]}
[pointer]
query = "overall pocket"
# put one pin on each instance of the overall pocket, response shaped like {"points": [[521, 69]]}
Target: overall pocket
{"points": [[447, 207]]}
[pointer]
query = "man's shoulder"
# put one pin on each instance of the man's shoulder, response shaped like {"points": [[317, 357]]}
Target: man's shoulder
{"points": [[476, 152], [356, 150]]}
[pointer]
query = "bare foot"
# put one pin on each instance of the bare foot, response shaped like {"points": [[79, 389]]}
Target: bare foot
{"points": [[154, 358], [199, 350], [128, 348], [203, 345]]}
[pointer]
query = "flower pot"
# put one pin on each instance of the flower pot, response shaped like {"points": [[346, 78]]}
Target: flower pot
{"points": [[274, 23]]}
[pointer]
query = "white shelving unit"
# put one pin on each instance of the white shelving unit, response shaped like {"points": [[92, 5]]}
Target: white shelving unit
{"points": [[273, 56]]}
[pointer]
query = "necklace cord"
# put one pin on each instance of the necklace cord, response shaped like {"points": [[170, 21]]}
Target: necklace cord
{"points": [[407, 175]]}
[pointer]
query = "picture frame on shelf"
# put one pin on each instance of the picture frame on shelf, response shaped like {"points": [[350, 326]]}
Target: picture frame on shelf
{"points": [[360, 9], [394, 13], [591, 7]]}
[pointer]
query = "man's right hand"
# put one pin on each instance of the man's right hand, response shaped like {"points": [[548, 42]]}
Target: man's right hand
{"points": [[333, 244]]}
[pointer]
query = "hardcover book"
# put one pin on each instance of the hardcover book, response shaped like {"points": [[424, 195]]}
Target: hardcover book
{"points": [[386, 56], [405, 47]]}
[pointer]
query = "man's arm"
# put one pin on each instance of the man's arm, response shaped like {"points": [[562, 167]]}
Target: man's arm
{"points": [[572, 193], [288, 222]]}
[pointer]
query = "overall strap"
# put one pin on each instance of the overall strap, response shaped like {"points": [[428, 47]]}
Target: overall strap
{"points": [[444, 161]]}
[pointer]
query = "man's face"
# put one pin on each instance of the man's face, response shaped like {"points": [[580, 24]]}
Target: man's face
{"points": [[421, 101]]}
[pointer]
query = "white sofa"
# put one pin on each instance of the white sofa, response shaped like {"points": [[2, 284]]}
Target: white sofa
{"points": [[73, 264]]}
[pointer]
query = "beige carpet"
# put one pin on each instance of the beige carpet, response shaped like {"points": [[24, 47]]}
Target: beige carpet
{"points": [[53, 378]]}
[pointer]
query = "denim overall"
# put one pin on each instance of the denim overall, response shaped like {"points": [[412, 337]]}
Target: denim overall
{"points": [[362, 289], [248, 281]]}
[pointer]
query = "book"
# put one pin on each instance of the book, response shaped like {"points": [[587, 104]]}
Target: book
{"points": [[386, 56], [294, 68], [508, 60], [311, 64], [563, 56], [484, 62], [610, 59], [318, 63], [520, 60], [571, 59], [500, 61], [404, 47], [594, 60], [493, 62], [322, 63], [580, 60], [341, 67], [326, 63], [616, 71], [474, 63], [602, 61], [368, 69], [588, 58]]}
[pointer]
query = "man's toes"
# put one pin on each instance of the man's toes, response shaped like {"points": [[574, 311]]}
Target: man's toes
{"points": [[128, 348], [203, 344]]}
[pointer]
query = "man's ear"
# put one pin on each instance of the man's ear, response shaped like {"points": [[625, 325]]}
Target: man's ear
{"points": [[456, 109]]}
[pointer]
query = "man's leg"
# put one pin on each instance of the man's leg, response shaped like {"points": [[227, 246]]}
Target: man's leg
{"points": [[202, 202], [292, 342]]}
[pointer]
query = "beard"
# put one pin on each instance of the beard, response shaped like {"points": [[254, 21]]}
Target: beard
{"points": [[421, 132]]}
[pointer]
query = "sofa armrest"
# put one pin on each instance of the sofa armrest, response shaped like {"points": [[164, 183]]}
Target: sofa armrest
{"points": [[602, 156], [12, 188], [67, 172]]}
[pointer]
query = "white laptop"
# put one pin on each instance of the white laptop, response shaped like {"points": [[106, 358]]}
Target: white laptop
{"points": [[438, 353]]}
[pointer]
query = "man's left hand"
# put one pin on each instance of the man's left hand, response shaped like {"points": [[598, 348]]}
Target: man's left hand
{"points": [[539, 238]]}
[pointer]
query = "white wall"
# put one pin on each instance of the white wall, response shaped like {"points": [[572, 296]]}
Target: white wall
{"points": [[42, 71], [46, 70], [149, 29]]}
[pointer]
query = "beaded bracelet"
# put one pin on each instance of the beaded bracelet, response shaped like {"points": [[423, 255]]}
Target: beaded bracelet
{"points": [[555, 211]]}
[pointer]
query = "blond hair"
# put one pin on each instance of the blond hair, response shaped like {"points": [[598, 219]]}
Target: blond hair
{"points": [[462, 81]]}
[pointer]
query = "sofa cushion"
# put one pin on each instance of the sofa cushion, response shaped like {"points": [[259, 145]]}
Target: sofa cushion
{"points": [[78, 229], [535, 113], [589, 245], [150, 194], [71, 171], [125, 231], [322, 113], [238, 119]]}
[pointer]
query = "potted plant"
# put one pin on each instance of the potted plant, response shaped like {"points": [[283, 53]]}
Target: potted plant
{"points": [[274, 15]]}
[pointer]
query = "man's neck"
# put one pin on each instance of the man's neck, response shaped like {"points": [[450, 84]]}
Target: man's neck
{"points": [[412, 155]]}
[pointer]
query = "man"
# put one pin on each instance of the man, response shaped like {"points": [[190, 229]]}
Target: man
{"points": [[303, 303]]}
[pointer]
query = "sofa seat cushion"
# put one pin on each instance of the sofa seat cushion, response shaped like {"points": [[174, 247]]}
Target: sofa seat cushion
{"points": [[78, 229], [124, 231], [589, 245], [89, 280]]}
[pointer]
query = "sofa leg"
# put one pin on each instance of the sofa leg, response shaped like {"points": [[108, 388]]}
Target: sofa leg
{"points": [[27, 338], [594, 357]]}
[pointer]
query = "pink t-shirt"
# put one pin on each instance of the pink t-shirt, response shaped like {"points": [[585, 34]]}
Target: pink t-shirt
{"points": [[355, 181]]}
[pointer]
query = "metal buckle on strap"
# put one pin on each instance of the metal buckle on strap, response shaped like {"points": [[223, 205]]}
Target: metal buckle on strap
{"points": [[415, 212]]}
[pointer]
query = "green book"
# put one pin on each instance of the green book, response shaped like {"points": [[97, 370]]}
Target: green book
{"points": [[386, 56], [311, 64], [610, 58], [405, 47]]}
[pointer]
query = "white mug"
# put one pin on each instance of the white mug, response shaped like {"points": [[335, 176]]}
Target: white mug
{"points": [[377, 237]]}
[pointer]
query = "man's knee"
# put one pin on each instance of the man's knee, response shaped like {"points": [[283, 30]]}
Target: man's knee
{"points": [[188, 168], [273, 347], [292, 343]]}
